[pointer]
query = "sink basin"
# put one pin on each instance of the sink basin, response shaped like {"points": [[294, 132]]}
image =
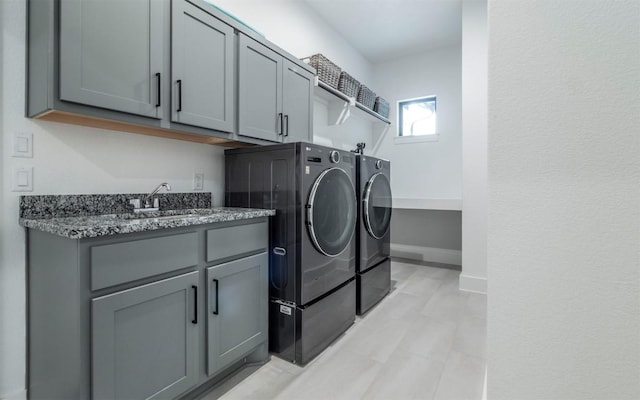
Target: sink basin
{"points": [[170, 214], [176, 216]]}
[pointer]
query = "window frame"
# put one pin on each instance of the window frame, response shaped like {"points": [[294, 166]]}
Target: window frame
{"points": [[400, 137]]}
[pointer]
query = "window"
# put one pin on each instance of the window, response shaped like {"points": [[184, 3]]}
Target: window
{"points": [[417, 117]]}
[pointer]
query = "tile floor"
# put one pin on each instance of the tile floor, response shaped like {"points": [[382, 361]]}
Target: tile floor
{"points": [[426, 340]]}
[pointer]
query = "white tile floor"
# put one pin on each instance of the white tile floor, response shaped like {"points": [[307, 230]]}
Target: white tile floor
{"points": [[426, 340]]}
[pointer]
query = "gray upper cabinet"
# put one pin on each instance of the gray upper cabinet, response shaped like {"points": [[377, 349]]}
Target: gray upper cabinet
{"points": [[181, 69], [275, 95], [297, 103], [237, 309], [202, 68], [145, 340], [111, 54], [260, 94]]}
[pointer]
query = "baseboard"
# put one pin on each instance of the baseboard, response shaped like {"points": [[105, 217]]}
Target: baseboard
{"points": [[19, 395], [445, 256], [470, 283]]}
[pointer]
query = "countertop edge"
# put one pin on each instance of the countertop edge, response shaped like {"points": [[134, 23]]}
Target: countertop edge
{"points": [[107, 225]]}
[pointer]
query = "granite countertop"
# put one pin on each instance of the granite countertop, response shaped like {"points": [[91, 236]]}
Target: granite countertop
{"points": [[89, 216], [112, 224]]}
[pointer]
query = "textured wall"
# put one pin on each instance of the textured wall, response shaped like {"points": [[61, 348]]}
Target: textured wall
{"points": [[564, 200]]}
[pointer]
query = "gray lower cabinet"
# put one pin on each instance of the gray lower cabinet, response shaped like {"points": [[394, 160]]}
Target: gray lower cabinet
{"points": [[202, 68], [274, 96], [111, 54], [145, 340], [236, 314], [151, 315]]}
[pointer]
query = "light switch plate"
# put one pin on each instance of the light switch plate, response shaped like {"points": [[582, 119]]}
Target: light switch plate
{"points": [[198, 181], [22, 179], [23, 144]]}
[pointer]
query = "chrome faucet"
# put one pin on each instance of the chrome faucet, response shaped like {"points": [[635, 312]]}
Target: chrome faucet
{"points": [[146, 200]]}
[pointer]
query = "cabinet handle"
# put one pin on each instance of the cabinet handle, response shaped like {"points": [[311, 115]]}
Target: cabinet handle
{"points": [[281, 130], [215, 312], [158, 81], [195, 304], [286, 125], [179, 95]]}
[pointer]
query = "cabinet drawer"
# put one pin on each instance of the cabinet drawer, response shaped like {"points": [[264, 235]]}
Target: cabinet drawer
{"points": [[235, 240], [117, 263]]}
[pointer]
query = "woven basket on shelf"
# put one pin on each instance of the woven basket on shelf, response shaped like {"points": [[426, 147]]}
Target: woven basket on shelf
{"points": [[348, 84], [366, 97], [327, 71], [381, 107]]}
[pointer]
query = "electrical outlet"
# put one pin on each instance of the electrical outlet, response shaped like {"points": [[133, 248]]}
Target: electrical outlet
{"points": [[198, 181]]}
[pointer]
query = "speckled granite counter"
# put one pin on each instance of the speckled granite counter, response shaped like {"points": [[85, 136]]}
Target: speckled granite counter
{"points": [[70, 216]]}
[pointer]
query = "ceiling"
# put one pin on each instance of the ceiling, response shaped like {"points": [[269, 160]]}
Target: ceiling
{"points": [[385, 29]]}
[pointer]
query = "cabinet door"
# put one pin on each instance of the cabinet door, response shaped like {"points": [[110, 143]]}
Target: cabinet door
{"points": [[297, 98], [237, 310], [111, 54], [202, 69], [145, 340], [260, 91]]}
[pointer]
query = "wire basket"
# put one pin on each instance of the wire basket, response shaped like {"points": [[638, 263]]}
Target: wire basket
{"points": [[327, 71], [348, 84], [366, 97], [381, 107]]}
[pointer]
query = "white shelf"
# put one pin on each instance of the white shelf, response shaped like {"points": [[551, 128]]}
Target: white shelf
{"points": [[330, 94], [428, 204], [366, 110], [340, 107]]}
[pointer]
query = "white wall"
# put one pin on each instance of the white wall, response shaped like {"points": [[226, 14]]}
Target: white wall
{"points": [[70, 159], [428, 170], [474, 146], [564, 200], [295, 27]]}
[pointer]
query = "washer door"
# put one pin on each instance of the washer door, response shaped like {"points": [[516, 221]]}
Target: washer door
{"points": [[331, 212], [377, 205]]}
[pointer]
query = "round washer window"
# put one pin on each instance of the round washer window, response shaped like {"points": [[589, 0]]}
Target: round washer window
{"points": [[331, 211], [377, 205]]}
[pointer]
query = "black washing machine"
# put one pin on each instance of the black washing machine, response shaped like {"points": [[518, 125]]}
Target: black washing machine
{"points": [[312, 254], [373, 234]]}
